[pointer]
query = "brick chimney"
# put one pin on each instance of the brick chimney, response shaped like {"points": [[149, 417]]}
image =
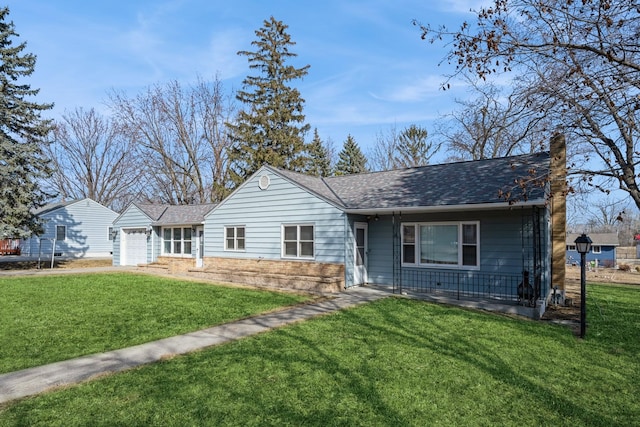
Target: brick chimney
{"points": [[558, 204]]}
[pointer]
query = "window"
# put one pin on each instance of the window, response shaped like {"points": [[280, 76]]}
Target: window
{"points": [[596, 249], [444, 244], [571, 247], [110, 233], [61, 232], [176, 241], [409, 244], [234, 238], [298, 241]]}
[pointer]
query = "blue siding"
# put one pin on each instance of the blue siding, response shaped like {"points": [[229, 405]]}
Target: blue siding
{"points": [[500, 241], [606, 256], [87, 231], [262, 213], [132, 217]]}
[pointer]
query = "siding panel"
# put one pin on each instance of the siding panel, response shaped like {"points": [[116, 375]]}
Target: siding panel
{"points": [[87, 231], [501, 242], [262, 213]]}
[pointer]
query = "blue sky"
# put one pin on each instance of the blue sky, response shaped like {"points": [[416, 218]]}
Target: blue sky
{"points": [[369, 68]]}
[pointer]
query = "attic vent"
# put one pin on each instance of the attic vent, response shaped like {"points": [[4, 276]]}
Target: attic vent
{"points": [[263, 182]]}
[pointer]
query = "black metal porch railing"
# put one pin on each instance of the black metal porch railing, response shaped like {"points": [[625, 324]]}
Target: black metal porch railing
{"points": [[463, 284]]}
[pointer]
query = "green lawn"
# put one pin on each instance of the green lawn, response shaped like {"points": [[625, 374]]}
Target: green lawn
{"points": [[394, 362], [51, 318]]}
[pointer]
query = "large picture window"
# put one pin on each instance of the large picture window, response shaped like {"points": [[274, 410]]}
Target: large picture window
{"points": [[298, 241], [441, 244], [234, 238], [176, 241]]}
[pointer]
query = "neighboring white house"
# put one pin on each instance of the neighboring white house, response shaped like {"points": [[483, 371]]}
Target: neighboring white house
{"points": [[73, 229]]}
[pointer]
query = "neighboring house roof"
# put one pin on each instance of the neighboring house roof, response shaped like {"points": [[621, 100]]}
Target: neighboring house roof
{"points": [[53, 206], [450, 184], [184, 214], [162, 214], [153, 211], [599, 239]]}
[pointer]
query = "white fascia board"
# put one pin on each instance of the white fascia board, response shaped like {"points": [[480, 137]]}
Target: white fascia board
{"points": [[448, 208]]}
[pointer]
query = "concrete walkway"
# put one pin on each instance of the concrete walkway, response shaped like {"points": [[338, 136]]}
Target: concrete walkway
{"points": [[15, 385]]}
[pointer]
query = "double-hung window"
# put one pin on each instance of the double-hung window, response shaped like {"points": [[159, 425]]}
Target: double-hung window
{"points": [[596, 249], [177, 240], [441, 244], [298, 241], [234, 238]]}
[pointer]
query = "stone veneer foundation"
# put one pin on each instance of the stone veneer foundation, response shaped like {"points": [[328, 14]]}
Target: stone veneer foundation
{"points": [[299, 275]]}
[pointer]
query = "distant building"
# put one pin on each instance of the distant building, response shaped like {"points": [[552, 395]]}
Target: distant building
{"points": [[603, 249]]}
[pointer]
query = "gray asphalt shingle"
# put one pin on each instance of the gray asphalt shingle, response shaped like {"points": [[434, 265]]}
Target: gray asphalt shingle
{"points": [[449, 184], [176, 214]]}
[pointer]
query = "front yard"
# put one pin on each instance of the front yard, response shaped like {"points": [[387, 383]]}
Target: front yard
{"points": [[46, 319], [393, 362]]}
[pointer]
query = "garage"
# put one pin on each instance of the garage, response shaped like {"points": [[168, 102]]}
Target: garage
{"points": [[134, 246]]}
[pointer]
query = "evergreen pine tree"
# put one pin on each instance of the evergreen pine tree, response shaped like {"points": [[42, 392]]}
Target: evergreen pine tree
{"points": [[319, 161], [351, 160], [413, 149], [271, 128], [22, 135]]}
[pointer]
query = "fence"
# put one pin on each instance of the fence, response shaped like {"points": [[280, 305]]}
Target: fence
{"points": [[470, 284], [10, 247]]}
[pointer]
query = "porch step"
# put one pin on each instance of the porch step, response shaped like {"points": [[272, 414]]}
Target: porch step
{"points": [[155, 266]]}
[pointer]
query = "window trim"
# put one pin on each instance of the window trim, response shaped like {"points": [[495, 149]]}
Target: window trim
{"points": [[417, 244], [182, 241], [235, 238], [571, 247], [594, 251], [298, 241]]}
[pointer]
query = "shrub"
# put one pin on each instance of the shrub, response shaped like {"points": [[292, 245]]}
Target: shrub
{"points": [[638, 268], [624, 267], [608, 263]]}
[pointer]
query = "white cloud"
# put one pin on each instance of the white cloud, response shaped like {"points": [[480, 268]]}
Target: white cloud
{"points": [[415, 90]]}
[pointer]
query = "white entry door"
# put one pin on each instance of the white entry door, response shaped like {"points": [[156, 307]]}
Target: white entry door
{"points": [[360, 252], [199, 246]]}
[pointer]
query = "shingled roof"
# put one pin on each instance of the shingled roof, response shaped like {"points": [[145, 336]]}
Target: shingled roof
{"points": [[53, 206], [450, 184], [598, 239], [176, 214]]}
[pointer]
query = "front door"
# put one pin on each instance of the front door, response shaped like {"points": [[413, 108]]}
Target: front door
{"points": [[199, 246], [360, 262]]}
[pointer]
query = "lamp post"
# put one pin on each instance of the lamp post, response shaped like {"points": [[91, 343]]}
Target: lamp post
{"points": [[583, 245]]}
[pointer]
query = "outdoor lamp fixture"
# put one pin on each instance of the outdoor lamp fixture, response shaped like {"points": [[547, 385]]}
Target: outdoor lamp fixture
{"points": [[583, 245], [114, 233], [148, 231]]}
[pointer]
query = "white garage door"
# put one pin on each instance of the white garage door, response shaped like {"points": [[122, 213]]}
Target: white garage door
{"points": [[135, 247]]}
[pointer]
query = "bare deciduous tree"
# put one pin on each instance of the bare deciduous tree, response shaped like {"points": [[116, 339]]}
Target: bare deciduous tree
{"points": [[491, 125], [181, 137], [92, 158], [581, 60]]}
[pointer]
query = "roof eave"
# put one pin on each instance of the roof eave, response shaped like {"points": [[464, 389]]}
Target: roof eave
{"points": [[175, 224], [447, 208]]}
